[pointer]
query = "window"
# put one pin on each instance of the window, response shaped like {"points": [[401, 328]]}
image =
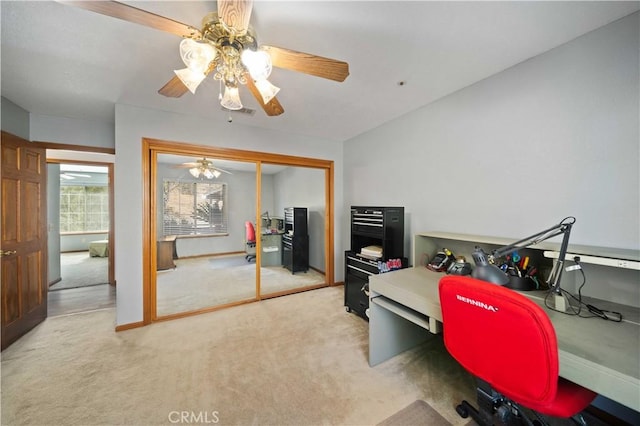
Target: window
{"points": [[194, 208], [84, 208]]}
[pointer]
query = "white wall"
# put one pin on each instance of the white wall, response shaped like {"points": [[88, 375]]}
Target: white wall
{"points": [[46, 128], [304, 187], [132, 124], [78, 242], [14, 119], [53, 223], [512, 155]]}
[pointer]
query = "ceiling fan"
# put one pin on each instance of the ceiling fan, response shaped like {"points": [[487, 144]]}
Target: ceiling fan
{"points": [[69, 175], [204, 168], [226, 46]]}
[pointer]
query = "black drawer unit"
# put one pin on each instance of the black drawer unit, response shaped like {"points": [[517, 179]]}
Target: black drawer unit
{"points": [[378, 226], [295, 240], [382, 227], [356, 280]]}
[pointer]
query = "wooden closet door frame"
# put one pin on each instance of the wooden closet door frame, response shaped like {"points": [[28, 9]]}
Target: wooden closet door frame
{"points": [[152, 147]]}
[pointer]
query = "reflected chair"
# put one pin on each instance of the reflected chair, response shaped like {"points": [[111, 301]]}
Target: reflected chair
{"points": [[509, 344], [250, 242]]}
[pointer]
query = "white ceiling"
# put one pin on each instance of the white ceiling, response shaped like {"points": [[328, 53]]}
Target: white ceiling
{"points": [[63, 61]]}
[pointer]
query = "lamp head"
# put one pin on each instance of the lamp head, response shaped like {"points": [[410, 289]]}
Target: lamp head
{"points": [[486, 271]]}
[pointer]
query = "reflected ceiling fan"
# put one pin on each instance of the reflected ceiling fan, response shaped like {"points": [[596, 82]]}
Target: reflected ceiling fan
{"points": [[204, 168], [226, 47], [70, 176]]}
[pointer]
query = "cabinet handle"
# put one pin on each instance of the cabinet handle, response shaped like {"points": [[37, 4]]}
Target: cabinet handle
{"points": [[361, 270], [379, 225], [7, 253], [365, 289]]}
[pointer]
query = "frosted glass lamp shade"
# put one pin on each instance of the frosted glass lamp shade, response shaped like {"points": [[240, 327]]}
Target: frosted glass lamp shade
{"points": [[258, 63], [231, 98], [197, 55], [195, 172], [267, 90], [190, 78]]}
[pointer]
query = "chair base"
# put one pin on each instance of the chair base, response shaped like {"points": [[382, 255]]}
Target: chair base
{"points": [[494, 409]]}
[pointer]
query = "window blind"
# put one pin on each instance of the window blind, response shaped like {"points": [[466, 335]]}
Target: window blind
{"points": [[194, 208]]}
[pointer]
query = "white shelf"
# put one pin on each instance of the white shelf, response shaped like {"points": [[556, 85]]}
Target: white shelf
{"points": [[597, 260]]}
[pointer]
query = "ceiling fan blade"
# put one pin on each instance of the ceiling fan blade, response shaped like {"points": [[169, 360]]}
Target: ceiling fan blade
{"points": [[221, 170], [271, 108], [133, 14], [235, 14], [174, 88], [308, 63]]}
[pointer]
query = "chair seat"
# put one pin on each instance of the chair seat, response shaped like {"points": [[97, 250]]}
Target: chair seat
{"points": [[570, 399]]}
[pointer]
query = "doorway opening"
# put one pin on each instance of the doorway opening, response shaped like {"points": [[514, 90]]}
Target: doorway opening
{"points": [[79, 247]]}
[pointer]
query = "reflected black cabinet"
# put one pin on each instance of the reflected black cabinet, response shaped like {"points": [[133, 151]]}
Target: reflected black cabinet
{"points": [[381, 227], [295, 240]]}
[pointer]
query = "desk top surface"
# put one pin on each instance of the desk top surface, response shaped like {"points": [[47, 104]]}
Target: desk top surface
{"points": [[588, 347]]}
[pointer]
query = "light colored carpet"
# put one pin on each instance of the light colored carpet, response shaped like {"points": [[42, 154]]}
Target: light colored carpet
{"points": [[199, 283], [78, 269], [418, 413], [292, 360]]}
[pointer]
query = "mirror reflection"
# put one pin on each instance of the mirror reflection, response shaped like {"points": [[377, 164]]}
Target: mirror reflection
{"points": [[202, 207], [291, 229], [209, 238]]}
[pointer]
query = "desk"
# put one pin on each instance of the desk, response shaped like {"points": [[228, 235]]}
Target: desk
{"points": [[166, 249], [271, 249], [600, 355]]}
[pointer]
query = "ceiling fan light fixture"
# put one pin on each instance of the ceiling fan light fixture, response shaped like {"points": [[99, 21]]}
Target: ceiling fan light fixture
{"points": [[258, 63], [197, 55], [195, 172], [190, 78], [266, 89], [216, 174], [231, 98], [208, 174]]}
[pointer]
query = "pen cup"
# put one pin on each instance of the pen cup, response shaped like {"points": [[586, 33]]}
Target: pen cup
{"points": [[521, 283]]}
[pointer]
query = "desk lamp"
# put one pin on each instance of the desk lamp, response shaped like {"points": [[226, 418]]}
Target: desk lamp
{"points": [[485, 270]]}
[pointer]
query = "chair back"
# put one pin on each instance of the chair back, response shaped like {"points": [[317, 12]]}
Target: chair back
{"points": [[250, 232], [501, 337]]}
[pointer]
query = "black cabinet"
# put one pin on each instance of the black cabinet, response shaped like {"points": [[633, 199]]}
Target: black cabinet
{"points": [[377, 230], [295, 240], [378, 226]]}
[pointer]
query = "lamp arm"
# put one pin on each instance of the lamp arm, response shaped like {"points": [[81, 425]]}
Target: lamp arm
{"points": [[486, 270], [556, 272], [564, 227]]}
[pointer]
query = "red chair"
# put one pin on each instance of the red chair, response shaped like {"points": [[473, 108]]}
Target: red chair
{"points": [[508, 342], [250, 240]]}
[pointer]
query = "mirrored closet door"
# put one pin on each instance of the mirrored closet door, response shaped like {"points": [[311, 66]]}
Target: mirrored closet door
{"points": [[216, 229], [292, 249], [205, 256]]}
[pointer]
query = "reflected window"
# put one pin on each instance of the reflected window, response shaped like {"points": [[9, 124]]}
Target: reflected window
{"points": [[194, 208]]}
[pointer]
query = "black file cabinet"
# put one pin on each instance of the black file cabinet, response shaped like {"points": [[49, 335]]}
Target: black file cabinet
{"points": [[371, 226], [295, 240]]}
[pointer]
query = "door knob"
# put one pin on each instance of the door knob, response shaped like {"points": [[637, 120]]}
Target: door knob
{"points": [[7, 253]]}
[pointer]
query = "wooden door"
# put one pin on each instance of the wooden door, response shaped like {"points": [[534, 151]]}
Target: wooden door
{"points": [[23, 243]]}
